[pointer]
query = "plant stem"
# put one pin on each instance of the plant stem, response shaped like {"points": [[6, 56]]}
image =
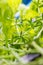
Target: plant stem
{"points": [[37, 47]]}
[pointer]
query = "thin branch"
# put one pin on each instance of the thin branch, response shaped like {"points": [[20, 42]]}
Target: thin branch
{"points": [[37, 47], [38, 34]]}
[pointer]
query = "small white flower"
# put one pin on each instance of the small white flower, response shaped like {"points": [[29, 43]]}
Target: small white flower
{"points": [[17, 14], [33, 20]]}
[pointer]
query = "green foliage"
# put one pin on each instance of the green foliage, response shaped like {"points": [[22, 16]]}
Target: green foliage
{"points": [[17, 35]]}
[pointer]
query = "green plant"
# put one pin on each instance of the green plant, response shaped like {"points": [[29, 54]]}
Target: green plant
{"points": [[23, 35]]}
